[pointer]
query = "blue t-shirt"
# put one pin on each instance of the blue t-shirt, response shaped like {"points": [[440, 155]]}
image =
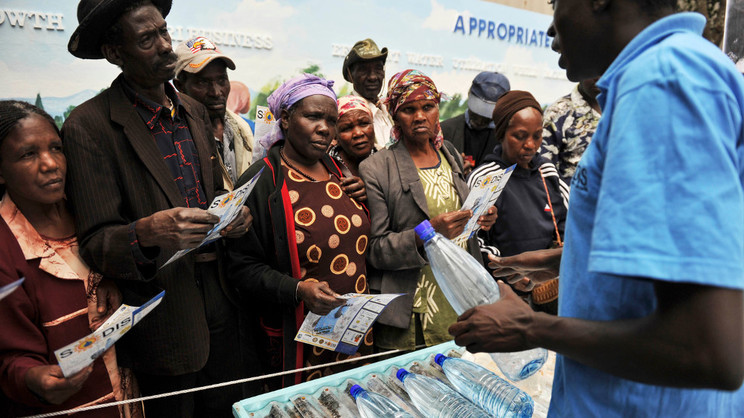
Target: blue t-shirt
{"points": [[657, 195]]}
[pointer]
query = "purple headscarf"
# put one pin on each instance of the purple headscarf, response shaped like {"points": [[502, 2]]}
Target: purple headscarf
{"points": [[287, 95]]}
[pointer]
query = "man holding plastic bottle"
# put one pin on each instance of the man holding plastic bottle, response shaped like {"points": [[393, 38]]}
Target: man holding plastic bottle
{"points": [[651, 311]]}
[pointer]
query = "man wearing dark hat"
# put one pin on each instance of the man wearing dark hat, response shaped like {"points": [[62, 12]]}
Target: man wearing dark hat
{"points": [[141, 174], [364, 67], [472, 133], [201, 72]]}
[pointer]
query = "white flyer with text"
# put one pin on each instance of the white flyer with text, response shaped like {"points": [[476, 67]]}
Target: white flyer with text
{"points": [[78, 355], [343, 329]]}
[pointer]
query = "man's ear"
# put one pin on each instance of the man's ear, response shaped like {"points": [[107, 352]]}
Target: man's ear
{"points": [[348, 72], [600, 5], [111, 53]]}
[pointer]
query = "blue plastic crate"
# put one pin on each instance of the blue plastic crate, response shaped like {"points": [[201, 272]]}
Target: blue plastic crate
{"points": [[247, 407]]}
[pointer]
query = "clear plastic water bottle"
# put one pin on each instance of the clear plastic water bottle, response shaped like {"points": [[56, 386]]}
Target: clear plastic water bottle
{"points": [[467, 284], [372, 405], [435, 399], [486, 389]]}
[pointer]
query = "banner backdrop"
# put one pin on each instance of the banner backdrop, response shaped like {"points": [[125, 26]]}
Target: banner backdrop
{"points": [[273, 40]]}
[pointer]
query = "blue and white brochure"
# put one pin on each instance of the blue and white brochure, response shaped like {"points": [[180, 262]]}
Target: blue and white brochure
{"points": [[78, 355], [482, 196], [227, 207], [344, 328]]}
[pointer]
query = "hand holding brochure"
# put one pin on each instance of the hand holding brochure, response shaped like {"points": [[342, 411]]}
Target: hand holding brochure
{"points": [[78, 355], [343, 329], [227, 207], [9, 288], [482, 196]]}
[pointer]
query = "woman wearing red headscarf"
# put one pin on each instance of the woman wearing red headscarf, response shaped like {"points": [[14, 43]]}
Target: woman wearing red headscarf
{"points": [[418, 177]]}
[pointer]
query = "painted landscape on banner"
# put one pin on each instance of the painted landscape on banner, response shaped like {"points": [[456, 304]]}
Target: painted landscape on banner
{"points": [[273, 40]]}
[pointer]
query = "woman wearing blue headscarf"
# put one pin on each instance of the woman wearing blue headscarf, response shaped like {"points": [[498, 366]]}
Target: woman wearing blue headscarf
{"points": [[309, 238]]}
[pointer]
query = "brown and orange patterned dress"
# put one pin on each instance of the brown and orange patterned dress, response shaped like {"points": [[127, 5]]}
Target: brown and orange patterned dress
{"points": [[332, 232]]}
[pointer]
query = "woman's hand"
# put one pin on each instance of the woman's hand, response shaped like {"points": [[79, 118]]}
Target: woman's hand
{"points": [[354, 187], [539, 266], [487, 220], [50, 384], [451, 224], [319, 298]]}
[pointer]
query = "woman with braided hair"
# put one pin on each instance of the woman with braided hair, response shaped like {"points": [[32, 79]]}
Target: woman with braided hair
{"points": [[61, 299]]}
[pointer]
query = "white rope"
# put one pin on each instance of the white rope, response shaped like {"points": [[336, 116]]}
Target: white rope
{"points": [[213, 386]]}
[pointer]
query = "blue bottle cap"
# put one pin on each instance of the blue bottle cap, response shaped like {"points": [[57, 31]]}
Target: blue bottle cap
{"points": [[355, 390], [424, 230], [402, 373], [440, 358]]}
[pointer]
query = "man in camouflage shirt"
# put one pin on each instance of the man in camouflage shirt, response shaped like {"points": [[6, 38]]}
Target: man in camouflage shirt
{"points": [[568, 126]]}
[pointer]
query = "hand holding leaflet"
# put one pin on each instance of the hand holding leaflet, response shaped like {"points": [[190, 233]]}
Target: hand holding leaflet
{"points": [[76, 356], [482, 196], [343, 329], [227, 207]]}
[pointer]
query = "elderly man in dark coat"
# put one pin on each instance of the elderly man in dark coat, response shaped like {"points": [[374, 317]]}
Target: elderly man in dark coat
{"points": [[142, 173]]}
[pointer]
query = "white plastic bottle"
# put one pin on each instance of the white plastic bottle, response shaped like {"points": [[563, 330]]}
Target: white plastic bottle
{"points": [[487, 390], [372, 405], [467, 284], [437, 400]]}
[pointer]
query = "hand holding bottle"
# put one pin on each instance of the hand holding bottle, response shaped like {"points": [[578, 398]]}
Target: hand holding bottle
{"points": [[498, 327]]}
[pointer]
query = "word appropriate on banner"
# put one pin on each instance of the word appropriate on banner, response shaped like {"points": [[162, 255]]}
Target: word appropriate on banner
{"points": [[505, 32], [40, 20]]}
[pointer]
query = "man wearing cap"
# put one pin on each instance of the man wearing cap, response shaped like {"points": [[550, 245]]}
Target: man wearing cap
{"points": [[472, 133], [141, 172], [364, 67], [201, 72]]}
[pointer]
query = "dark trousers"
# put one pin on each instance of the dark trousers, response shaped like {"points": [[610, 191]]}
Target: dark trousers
{"points": [[225, 362]]}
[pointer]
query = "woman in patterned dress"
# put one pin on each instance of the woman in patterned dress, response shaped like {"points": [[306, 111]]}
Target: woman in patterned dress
{"points": [[418, 177], [309, 237]]}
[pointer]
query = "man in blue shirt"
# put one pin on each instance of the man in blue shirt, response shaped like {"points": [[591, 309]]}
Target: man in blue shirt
{"points": [[651, 310]]}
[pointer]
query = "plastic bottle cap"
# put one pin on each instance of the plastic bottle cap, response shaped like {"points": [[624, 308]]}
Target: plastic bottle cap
{"points": [[355, 390], [440, 358], [424, 230], [402, 373]]}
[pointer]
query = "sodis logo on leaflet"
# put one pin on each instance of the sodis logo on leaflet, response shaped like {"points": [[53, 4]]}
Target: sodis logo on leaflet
{"points": [[227, 200], [86, 343]]}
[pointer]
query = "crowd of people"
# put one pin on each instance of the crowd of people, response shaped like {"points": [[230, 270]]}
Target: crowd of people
{"points": [[638, 287]]}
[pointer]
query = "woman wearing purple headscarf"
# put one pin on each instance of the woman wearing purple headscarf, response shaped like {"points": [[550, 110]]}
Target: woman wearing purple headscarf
{"points": [[309, 239]]}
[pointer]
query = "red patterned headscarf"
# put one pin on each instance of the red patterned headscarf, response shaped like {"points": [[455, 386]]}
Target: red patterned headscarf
{"points": [[348, 103], [409, 86]]}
